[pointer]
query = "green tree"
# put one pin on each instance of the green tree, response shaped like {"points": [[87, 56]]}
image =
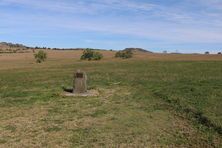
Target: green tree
{"points": [[89, 54], [40, 56], [125, 54]]}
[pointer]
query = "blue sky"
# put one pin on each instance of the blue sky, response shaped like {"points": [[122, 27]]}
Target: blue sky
{"points": [[157, 25]]}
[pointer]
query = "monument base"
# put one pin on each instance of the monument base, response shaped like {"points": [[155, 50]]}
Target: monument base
{"points": [[89, 93]]}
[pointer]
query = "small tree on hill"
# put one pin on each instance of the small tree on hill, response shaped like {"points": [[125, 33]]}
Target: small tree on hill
{"points": [[207, 52], [124, 54], [40, 56], [89, 54]]}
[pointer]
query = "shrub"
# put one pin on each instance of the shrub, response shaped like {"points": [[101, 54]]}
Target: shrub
{"points": [[41, 56], [125, 54], [207, 52], [165, 51], [219, 53], [89, 54]]}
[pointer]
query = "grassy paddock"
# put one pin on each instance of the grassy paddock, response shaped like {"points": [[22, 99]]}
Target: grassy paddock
{"points": [[150, 100]]}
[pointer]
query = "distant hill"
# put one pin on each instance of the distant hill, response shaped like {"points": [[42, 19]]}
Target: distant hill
{"points": [[137, 49], [6, 47], [11, 45], [12, 48]]}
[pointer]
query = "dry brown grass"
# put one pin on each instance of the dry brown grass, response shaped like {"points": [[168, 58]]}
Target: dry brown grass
{"points": [[178, 57], [51, 124], [26, 60]]}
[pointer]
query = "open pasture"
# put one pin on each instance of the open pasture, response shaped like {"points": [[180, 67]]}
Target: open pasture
{"points": [[151, 100]]}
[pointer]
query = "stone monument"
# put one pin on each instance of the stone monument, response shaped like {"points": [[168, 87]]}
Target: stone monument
{"points": [[80, 82]]}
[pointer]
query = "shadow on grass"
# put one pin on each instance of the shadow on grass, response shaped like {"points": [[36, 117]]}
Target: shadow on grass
{"points": [[197, 115], [69, 90]]}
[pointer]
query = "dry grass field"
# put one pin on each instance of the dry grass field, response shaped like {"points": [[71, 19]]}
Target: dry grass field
{"points": [[18, 60], [151, 100]]}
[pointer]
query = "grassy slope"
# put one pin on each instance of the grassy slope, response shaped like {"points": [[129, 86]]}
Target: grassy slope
{"points": [[143, 103]]}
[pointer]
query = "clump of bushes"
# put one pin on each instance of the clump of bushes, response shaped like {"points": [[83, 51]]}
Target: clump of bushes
{"points": [[40, 56], [125, 54], [89, 54]]}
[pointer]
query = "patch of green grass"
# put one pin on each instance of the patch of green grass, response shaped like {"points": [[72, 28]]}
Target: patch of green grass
{"points": [[2, 141], [53, 129], [98, 113], [10, 128]]}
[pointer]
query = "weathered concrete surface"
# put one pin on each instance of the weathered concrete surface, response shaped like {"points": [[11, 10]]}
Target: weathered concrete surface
{"points": [[80, 82], [89, 93]]}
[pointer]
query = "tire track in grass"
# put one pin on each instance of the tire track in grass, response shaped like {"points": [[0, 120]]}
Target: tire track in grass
{"points": [[191, 113]]}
